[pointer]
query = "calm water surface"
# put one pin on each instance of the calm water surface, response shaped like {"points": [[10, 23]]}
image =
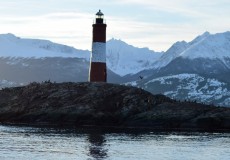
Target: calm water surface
{"points": [[24, 143]]}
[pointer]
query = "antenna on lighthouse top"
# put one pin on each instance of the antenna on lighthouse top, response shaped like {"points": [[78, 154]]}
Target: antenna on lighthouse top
{"points": [[99, 13], [99, 17]]}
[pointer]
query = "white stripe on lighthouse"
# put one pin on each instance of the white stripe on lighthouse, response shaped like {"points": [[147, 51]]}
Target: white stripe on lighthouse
{"points": [[98, 52]]}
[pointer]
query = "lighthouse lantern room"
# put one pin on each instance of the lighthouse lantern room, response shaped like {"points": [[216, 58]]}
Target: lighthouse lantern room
{"points": [[97, 70]]}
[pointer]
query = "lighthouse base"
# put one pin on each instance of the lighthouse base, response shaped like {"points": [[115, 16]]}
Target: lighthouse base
{"points": [[97, 72]]}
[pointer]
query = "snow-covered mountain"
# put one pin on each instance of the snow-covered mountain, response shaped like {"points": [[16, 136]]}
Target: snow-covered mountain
{"points": [[205, 46], [12, 46], [209, 46], [124, 59], [207, 57], [198, 70], [27, 60]]}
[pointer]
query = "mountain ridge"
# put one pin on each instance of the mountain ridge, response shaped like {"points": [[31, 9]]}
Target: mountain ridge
{"points": [[13, 46], [202, 46], [129, 65], [119, 61]]}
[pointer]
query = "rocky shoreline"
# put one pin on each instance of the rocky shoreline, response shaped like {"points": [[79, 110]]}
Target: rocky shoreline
{"points": [[103, 104]]}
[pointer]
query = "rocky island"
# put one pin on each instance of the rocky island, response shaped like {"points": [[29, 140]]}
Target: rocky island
{"points": [[104, 104]]}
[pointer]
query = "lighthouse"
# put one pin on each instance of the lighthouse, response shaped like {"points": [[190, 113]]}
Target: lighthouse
{"points": [[97, 70]]}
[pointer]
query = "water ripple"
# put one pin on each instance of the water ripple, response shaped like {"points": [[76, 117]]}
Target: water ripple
{"points": [[52, 143]]}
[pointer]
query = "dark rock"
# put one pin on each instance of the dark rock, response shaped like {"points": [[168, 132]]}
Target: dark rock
{"points": [[105, 104]]}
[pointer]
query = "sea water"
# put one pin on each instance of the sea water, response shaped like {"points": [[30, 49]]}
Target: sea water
{"points": [[25, 143]]}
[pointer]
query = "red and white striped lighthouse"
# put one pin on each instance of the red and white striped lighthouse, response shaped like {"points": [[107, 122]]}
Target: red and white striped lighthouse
{"points": [[97, 70]]}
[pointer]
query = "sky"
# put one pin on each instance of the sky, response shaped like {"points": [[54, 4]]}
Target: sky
{"points": [[155, 24]]}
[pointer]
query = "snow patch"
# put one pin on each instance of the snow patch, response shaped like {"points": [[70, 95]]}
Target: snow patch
{"points": [[133, 83], [125, 59], [194, 87], [5, 83]]}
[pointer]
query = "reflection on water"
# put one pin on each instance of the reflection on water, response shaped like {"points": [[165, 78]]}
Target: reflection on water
{"points": [[94, 143], [97, 145]]}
